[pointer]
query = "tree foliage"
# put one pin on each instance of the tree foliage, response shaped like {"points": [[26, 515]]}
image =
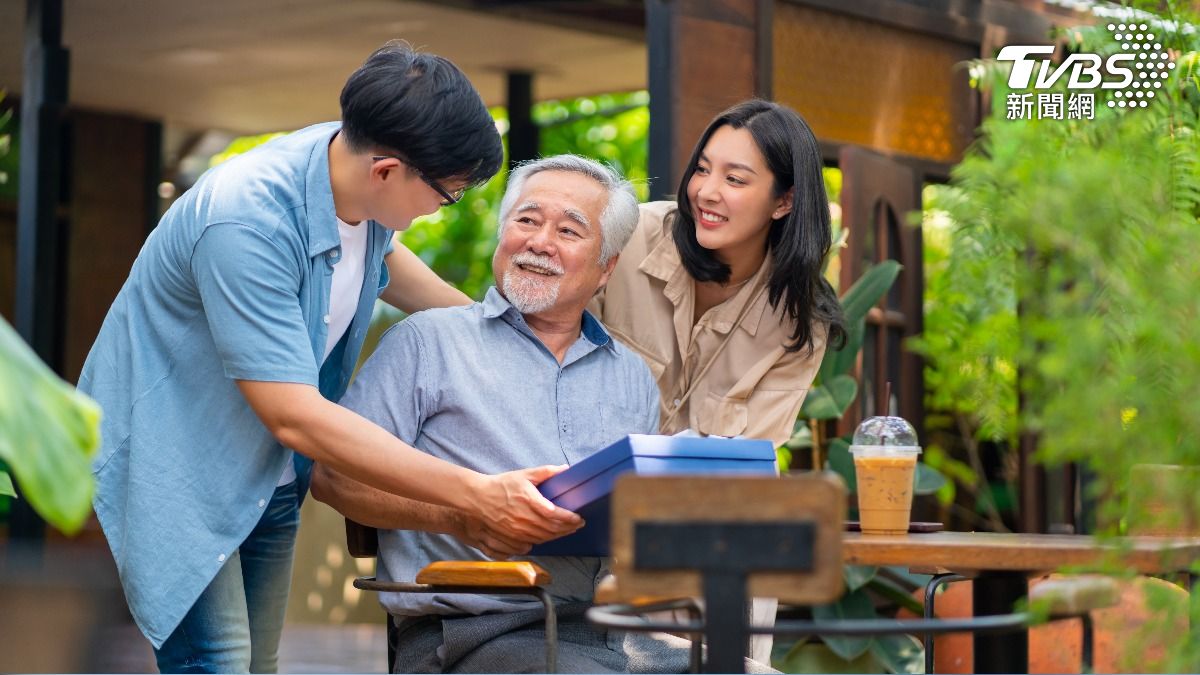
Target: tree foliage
{"points": [[1060, 271]]}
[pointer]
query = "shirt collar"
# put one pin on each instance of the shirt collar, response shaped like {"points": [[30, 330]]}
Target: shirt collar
{"points": [[318, 194], [496, 306], [663, 262]]}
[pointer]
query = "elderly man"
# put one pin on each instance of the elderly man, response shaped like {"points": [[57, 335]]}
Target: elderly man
{"points": [[531, 374]]}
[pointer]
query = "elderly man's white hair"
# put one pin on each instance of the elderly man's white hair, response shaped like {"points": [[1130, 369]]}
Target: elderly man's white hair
{"points": [[620, 215]]}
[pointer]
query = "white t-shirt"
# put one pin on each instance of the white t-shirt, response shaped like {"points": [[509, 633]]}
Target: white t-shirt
{"points": [[348, 274]]}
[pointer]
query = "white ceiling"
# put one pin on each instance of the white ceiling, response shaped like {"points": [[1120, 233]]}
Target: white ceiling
{"points": [[249, 66]]}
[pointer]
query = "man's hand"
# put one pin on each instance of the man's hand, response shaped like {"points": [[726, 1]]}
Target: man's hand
{"points": [[478, 534], [509, 515]]}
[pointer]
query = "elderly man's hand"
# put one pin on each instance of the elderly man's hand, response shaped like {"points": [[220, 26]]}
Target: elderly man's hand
{"points": [[510, 515]]}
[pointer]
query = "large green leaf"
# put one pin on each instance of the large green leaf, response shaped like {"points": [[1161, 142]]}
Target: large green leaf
{"points": [[842, 463], [819, 405], [48, 434], [857, 576], [854, 605], [6, 486], [857, 301], [896, 594], [900, 653], [928, 480], [841, 362], [869, 288], [814, 657]]}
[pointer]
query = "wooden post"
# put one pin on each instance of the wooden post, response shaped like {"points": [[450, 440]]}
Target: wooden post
{"points": [[704, 56]]}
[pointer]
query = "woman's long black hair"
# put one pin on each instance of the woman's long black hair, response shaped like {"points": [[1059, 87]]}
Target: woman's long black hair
{"points": [[798, 242]]}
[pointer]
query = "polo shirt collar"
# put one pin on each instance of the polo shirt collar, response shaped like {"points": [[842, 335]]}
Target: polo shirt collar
{"points": [[496, 306], [318, 195]]}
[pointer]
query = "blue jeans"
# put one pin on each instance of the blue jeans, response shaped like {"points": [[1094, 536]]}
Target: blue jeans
{"points": [[234, 626]]}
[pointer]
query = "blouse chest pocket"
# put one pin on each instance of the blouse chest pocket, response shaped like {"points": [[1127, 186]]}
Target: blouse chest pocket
{"points": [[721, 415]]}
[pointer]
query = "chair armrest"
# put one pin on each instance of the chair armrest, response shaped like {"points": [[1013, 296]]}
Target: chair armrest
{"points": [[1073, 595], [521, 574]]}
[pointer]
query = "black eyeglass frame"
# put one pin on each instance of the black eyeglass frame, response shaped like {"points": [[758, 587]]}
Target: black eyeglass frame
{"points": [[448, 197]]}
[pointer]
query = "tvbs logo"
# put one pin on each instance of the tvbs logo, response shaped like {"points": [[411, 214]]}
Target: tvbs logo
{"points": [[1141, 65]]}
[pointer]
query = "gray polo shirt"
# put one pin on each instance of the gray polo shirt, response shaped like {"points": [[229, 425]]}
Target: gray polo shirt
{"points": [[474, 386]]}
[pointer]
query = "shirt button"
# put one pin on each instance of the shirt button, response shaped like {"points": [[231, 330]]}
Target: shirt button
{"points": [[221, 558], [325, 318], [262, 503], [332, 255], [676, 403]]}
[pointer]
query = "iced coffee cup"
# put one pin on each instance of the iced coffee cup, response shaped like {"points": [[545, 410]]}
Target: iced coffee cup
{"points": [[885, 453]]}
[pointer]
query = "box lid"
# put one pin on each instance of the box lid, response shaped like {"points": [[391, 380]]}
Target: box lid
{"points": [[643, 445]]}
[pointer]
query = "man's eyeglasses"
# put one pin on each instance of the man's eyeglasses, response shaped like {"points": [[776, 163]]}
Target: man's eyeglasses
{"points": [[448, 197]]}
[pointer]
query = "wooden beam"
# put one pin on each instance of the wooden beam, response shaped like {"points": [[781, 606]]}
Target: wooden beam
{"points": [[703, 56]]}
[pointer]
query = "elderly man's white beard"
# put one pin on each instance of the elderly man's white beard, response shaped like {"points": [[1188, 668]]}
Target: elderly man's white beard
{"points": [[531, 293]]}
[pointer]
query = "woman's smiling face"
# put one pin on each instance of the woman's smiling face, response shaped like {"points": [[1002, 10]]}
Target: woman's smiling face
{"points": [[732, 194]]}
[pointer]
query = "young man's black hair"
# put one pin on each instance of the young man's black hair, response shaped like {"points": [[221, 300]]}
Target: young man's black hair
{"points": [[422, 108]]}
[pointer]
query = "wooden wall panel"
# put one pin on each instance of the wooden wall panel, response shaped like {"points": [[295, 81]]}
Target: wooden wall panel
{"points": [[876, 85], [109, 214], [705, 55], [717, 73]]}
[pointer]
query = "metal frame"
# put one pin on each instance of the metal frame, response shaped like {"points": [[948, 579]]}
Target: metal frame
{"points": [[931, 590], [372, 584], [624, 617]]}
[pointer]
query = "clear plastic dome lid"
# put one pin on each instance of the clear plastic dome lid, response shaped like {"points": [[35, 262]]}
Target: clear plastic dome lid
{"points": [[886, 431]]}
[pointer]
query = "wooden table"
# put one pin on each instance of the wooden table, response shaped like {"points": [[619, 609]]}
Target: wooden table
{"points": [[1003, 563]]}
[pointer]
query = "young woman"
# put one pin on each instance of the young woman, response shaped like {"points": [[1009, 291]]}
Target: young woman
{"points": [[721, 292]]}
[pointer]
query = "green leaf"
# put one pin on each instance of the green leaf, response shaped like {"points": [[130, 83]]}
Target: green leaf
{"points": [[48, 434], [855, 605], [829, 400], [896, 594], [783, 456], [819, 405], [842, 463], [841, 361], [843, 389], [900, 653], [6, 486], [857, 301], [814, 657], [857, 576], [869, 288], [927, 480]]}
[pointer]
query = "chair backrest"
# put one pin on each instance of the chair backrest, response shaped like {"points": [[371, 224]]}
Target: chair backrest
{"points": [[785, 533], [361, 541]]}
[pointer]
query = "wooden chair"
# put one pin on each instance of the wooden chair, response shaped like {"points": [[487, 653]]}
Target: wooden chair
{"points": [[448, 576], [726, 539]]}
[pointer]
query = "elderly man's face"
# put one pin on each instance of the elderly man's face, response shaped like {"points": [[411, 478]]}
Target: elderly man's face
{"points": [[548, 253]]}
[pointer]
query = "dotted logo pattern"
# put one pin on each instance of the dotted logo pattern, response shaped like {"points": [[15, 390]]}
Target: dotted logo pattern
{"points": [[1151, 65]]}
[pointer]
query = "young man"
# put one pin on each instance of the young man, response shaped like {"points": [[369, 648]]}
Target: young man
{"points": [[539, 380], [238, 328]]}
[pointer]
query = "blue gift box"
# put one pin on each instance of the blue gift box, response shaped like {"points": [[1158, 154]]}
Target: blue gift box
{"points": [[585, 487]]}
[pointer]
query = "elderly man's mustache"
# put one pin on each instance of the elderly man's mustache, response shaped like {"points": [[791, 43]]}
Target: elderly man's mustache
{"points": [[538, 264]]}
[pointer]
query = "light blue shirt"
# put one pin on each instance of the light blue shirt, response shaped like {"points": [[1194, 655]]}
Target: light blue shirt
{"points": [[474, 386], [233, 284]]}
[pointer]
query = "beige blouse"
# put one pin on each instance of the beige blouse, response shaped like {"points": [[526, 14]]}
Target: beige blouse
{"points": [[753, 387]]}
